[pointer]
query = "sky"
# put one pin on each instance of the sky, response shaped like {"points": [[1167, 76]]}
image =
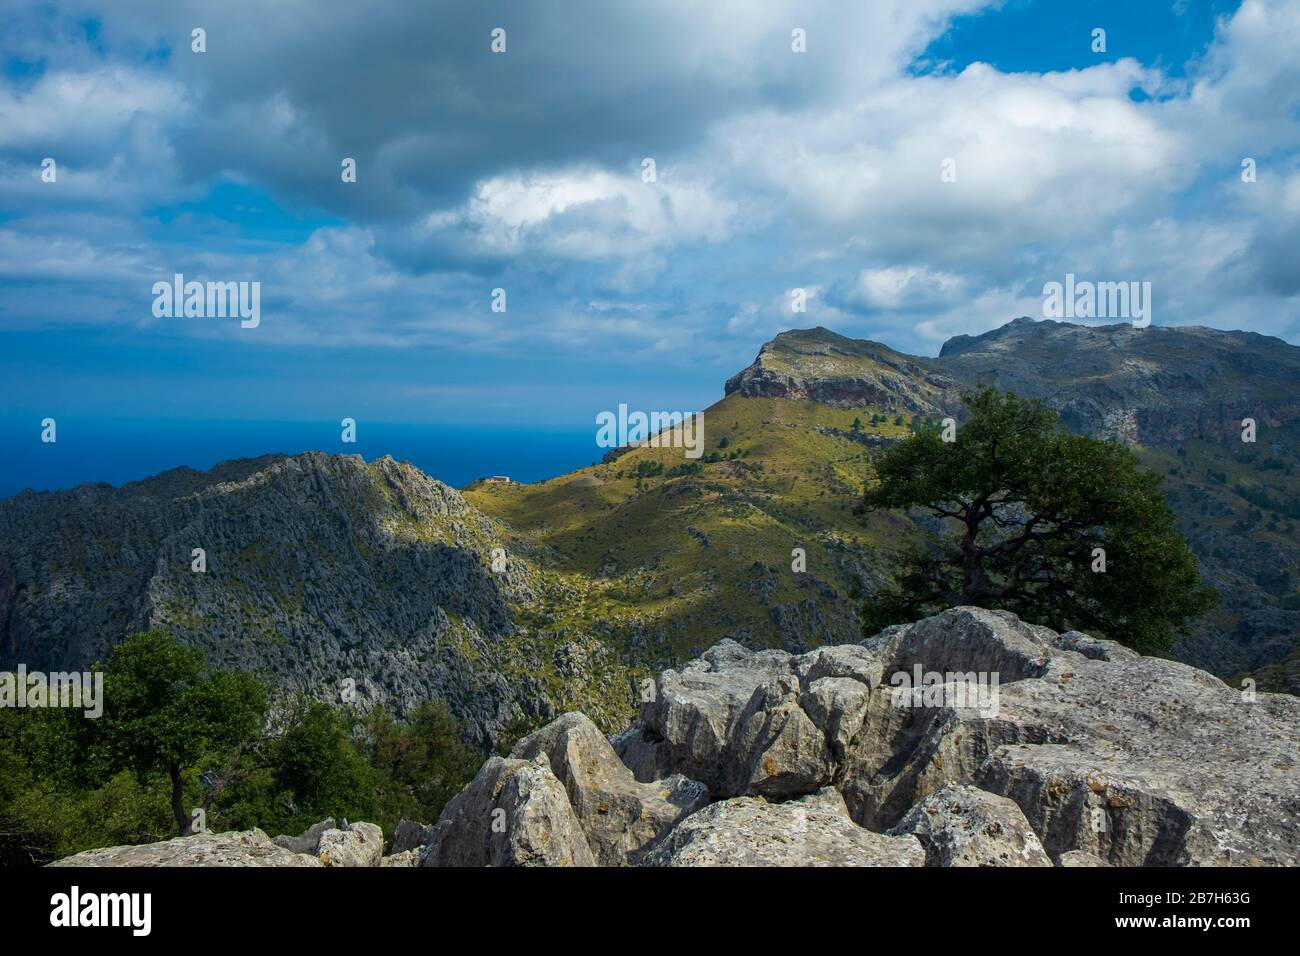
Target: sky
{"points": [[525, 170]]}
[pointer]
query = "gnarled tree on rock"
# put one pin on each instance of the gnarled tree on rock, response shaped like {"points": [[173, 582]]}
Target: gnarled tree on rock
{"points": [[1061, 529]]}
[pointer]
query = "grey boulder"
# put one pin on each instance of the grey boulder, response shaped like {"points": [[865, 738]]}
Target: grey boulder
{"points": [[619, 816], [233, 848], [308, 840], [963, 826], [513, 813], [813, 831], [360, 844]]}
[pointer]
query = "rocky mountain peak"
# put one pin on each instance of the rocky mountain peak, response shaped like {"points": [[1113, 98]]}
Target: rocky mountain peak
{"points": [[1156, 385], [823, 366]]}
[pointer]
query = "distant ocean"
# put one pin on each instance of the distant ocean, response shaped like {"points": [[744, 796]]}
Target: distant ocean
{"points": [[121, 450]]}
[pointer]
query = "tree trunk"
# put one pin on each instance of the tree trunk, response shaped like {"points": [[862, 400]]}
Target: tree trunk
{"points": [[178, 800]]}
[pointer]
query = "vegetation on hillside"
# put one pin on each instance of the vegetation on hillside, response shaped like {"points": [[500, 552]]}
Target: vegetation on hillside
{"points": [[178, 735]]}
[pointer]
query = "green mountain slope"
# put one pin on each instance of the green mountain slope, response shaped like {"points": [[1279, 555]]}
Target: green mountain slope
{"points": [[675, 562]]}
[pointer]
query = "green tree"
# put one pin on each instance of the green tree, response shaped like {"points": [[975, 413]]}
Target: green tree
{"points": [[166, 708], [421, 763], [1060, 529], [318, 769]]}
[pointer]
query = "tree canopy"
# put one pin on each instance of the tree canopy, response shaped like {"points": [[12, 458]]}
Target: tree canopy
{"points": [[179, 734], [1061, 529]]}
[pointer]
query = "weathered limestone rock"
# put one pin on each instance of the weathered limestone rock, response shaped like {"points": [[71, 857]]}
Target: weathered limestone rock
{"points": [[410, 835], [619, 816], [750, 723], [1136, 760], [361, 844], [1078, 750], [695, 712], [963, 826], [405, 858], [1079, 858], [643, 754], [775, 749], [308, 840], [233, 848], [812, 831], [513, 813]]}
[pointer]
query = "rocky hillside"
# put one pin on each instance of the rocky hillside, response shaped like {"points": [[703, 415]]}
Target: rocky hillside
{"points": [[324, 573], [1087, 754]]}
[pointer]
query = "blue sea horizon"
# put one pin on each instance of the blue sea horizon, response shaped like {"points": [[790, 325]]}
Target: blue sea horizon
{"points": [[118, 451]]}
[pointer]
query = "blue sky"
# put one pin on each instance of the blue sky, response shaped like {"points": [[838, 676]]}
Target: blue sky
{"points": [[522, 170]]}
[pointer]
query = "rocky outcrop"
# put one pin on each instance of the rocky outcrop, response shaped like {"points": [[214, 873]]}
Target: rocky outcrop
{"points": [[745, 722], [1135, 759], [361, 844], [812, 831], [965, 826], [967, 739], [308, 840], [409, 835], [513, 813], [353, 844], [235, 848], [356, 844], [821, 366], [620, 817]]}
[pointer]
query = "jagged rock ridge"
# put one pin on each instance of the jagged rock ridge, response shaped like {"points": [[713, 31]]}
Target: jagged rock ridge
{"points": [[331, 575]]}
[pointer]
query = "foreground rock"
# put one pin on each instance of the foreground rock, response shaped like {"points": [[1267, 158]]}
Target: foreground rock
{"points": [[1136, 760], [410, 835], [361, 844], [1016, 747], [513, 813], [620, 817], [762, 723], [308, 840], [236, 848], [811, 831], [963, 826]]}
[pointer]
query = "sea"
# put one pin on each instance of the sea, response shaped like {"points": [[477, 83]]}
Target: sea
{"points": [[117, 451]]}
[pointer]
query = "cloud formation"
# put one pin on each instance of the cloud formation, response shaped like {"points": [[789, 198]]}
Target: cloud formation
{"points": [[824, 170]]}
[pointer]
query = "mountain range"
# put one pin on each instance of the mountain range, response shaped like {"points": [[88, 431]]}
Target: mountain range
{"points": [[518, 602]]}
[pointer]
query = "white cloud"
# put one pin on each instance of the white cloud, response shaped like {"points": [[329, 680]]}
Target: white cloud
{"points": [[774, 169], [586, 214]]}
